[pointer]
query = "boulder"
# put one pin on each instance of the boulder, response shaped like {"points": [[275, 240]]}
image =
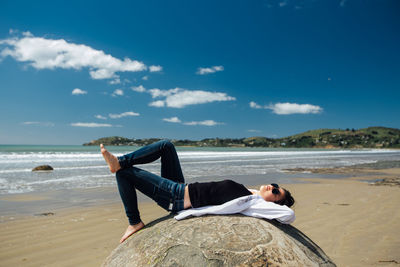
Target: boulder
{"points": [[232, 240], [43, 168]]}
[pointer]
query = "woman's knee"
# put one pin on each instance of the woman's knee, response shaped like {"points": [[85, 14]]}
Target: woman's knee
{"points": [[165, 143], [125, 174]]}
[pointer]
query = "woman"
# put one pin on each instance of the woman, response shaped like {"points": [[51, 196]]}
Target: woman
{"points": [[170, 190]]}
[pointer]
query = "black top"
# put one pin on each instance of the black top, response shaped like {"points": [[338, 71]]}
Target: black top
{"points": [[215, 193]]}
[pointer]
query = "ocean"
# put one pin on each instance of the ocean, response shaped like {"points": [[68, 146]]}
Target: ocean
{"points": [[78, 167]]}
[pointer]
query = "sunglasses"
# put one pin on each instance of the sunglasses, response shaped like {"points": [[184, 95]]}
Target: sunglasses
{"points": [[275, 189]]}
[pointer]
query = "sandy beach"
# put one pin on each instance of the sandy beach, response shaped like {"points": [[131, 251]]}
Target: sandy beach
{"points": [[355, 223]]}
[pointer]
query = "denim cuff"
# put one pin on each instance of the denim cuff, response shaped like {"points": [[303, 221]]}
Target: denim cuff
{"points": [[179, 202], [133, 221]]}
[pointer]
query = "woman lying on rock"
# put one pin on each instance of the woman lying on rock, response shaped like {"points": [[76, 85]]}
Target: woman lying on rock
{"points": [[171, 193]]}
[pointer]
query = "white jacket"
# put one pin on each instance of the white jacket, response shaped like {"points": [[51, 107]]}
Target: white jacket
{"points": [[253, 205]]}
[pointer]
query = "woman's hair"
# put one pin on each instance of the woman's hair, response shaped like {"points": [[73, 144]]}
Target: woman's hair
{"points": [[287, 199]]}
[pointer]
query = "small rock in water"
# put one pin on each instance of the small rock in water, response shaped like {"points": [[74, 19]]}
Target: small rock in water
{"points": [[389, 181], [43, 168], [45, 214]]}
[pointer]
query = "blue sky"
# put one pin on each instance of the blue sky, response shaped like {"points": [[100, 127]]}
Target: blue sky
{"points": [[76, 71]]}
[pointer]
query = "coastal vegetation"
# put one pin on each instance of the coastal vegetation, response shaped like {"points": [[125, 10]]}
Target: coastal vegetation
{"points": [[372, 137]]}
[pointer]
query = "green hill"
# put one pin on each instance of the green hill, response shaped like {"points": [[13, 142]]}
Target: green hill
{"points": [[372, 137]]}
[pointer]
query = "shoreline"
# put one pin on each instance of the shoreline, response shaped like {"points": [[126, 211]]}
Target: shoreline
{"points": [[355, 223]]}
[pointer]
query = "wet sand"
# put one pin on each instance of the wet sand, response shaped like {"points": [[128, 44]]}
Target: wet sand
{"points": [[354, 222]]}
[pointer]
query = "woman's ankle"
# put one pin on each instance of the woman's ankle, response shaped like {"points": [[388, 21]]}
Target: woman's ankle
{"points": [[131, 230]]}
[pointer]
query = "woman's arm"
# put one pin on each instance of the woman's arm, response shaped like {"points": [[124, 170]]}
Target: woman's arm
{"points": [[234, 206]]}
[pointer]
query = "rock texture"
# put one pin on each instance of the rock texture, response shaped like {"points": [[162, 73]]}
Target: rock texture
{"points": [[233, 240], [43, 168], [390, 181]]}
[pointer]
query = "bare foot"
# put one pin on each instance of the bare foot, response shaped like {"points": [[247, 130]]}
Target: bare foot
{"points": [[111, 160], [131, 230]]}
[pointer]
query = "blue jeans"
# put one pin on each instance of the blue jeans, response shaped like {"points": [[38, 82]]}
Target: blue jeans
{"points": [[168, 190]]}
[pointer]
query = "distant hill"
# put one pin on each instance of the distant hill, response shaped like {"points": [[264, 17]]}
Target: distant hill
{"points": [[372, 137]]}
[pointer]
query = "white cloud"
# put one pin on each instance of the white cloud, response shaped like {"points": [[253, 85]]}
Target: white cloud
{"points": [[173, 120], [115, 81], [297, 4], [78, 91], [293, 108], [203, 71], [27, 34], [203, 123], [90, 124], [186, 97], [158, 104], [145, 78], [179, 98], [255, 105], [155, 92], [124, 114], [154, 68], [39, 123], [42, 53], [289, 108], [100, 117], [283, 3], [118, 92], [139, 89], [254, 131]]}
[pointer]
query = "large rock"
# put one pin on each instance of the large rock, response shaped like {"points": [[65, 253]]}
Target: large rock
{"points": [[232, 240]]}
